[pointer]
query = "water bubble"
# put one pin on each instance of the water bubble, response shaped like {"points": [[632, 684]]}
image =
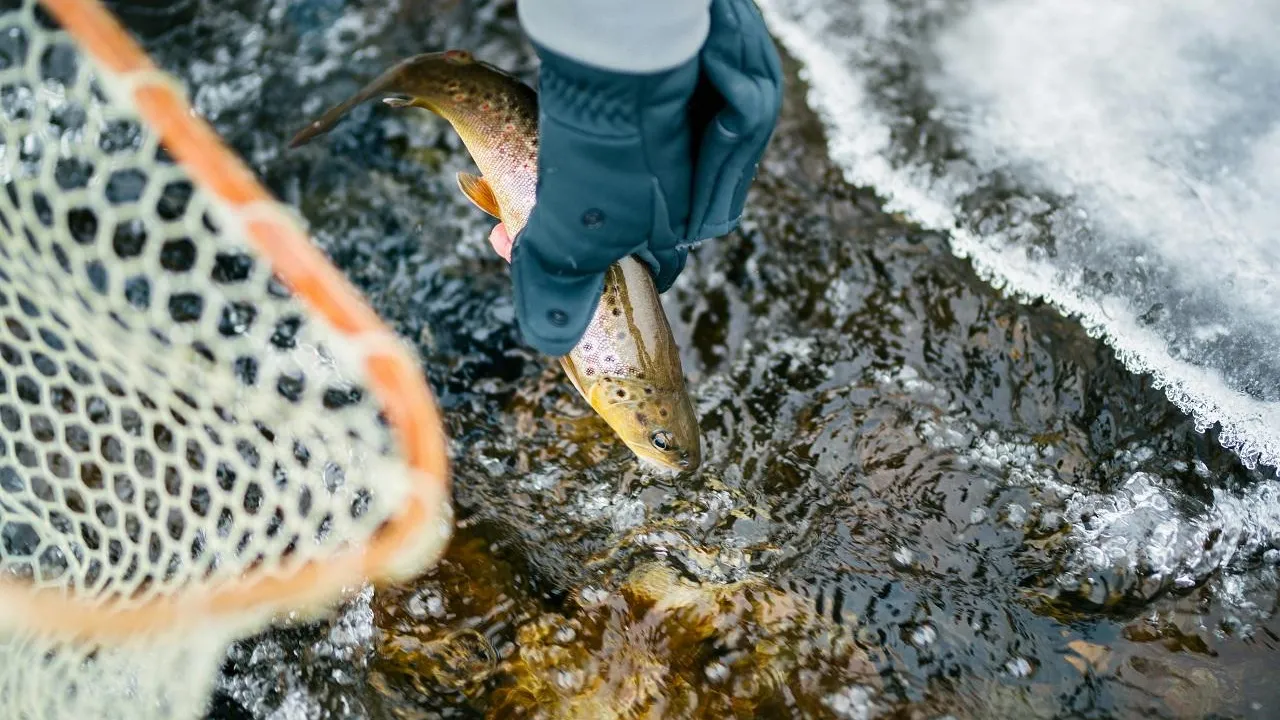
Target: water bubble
{"points": [[593, 595], [1019, 667], [426, 603], [570, 680], [1015, 514], [628, 514], [851, 702], [924, 636], [903, 558]]}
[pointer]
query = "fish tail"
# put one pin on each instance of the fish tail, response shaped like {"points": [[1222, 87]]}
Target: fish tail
{"points": [[403, 78]]}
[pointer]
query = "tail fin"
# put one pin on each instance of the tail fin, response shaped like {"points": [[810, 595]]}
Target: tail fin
{"points": [[399, 79]]}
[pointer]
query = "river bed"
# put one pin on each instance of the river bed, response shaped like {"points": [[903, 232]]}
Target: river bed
{"points": [[920, 497]]}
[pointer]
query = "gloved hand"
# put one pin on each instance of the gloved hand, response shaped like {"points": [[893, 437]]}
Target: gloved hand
{"points": [[639, 164]]}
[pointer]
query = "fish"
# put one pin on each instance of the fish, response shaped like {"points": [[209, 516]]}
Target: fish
{"points": [[627, 364]]}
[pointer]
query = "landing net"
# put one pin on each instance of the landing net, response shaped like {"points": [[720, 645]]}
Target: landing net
{"points": [[202, 425]]}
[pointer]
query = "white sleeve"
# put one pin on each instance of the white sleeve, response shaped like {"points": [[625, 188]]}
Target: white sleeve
{"points": [[638, 36]]}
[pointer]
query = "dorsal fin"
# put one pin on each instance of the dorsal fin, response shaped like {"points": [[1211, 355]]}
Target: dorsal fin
{"points": [[479, 192]]}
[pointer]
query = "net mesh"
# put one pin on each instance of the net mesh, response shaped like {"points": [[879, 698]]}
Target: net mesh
{"points": [[187, 447]]}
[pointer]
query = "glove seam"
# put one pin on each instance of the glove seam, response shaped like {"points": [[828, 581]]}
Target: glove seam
{"points": [[648, 154], [650, 167]]}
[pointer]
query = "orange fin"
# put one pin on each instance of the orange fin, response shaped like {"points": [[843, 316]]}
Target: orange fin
{"points": [[479, 192]]}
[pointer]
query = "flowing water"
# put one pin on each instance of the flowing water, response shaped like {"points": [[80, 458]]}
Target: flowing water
{"points": [[920, 497]]}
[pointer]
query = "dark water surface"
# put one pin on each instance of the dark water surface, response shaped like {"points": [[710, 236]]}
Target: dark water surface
{"points": [[902, 468]]}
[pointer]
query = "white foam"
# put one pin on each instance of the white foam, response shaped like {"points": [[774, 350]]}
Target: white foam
{"points": [[1134, 529], [270, 680], [1144, 533], [1153, 136], [853, 702]]}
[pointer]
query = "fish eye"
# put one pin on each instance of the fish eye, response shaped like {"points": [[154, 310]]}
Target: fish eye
{"points": [[661, 439]]}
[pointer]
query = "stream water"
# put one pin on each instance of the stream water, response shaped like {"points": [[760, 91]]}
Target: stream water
{"points": [[921, 496]]}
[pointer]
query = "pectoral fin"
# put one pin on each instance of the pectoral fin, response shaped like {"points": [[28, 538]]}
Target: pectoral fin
{"points": [[479, 192], [571, 371]]}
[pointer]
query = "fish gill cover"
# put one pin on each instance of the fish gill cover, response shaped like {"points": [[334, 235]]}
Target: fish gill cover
{"points": [[1120, 161]]}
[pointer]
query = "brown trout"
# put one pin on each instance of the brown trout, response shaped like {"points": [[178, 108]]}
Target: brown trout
{"points": [[627, 365]]}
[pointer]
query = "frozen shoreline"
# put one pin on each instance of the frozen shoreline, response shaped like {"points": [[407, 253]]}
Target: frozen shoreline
{"points": [[1161, 246]]}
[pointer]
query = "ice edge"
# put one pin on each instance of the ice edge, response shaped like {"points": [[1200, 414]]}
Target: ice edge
{"points": [[1250, 428]]}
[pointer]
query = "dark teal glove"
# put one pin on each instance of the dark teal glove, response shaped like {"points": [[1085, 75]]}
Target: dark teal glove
{"points": [[741, 67], [643, 165]]}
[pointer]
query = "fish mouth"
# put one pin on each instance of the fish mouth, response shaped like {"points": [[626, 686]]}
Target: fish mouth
{"points": [[677, 465]]}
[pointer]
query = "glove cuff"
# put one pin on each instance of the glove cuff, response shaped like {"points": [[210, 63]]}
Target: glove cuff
{"points": [[604, 102]]}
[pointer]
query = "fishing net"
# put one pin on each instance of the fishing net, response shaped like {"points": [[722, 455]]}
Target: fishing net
{"points": [[202, 426]]}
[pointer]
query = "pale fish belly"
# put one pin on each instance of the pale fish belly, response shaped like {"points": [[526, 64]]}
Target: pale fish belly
{"points": [[629, 338]]}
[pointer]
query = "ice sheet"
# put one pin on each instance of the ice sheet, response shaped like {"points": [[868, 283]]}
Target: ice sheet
{"points": [[1121, 162]]}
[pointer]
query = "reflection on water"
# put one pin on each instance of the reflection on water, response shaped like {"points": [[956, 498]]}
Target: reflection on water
{"points": [[918, 499]]}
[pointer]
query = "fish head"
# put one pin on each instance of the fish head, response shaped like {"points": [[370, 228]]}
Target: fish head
{"points": [[658, 424]]}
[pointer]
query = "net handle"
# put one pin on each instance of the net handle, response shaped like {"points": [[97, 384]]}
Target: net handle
{"points": [[424, 520]]}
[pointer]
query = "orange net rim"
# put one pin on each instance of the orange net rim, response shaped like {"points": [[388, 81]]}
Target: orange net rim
{"points": [[394, 377]]}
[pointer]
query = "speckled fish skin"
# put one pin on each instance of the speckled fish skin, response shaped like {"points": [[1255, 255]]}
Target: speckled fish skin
{"points": [[626, 365]]}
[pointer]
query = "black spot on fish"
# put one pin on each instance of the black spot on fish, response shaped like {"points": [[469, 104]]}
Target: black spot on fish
{"points": [[591, 371], [662, 413], [648, 391], [622, 393]]}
